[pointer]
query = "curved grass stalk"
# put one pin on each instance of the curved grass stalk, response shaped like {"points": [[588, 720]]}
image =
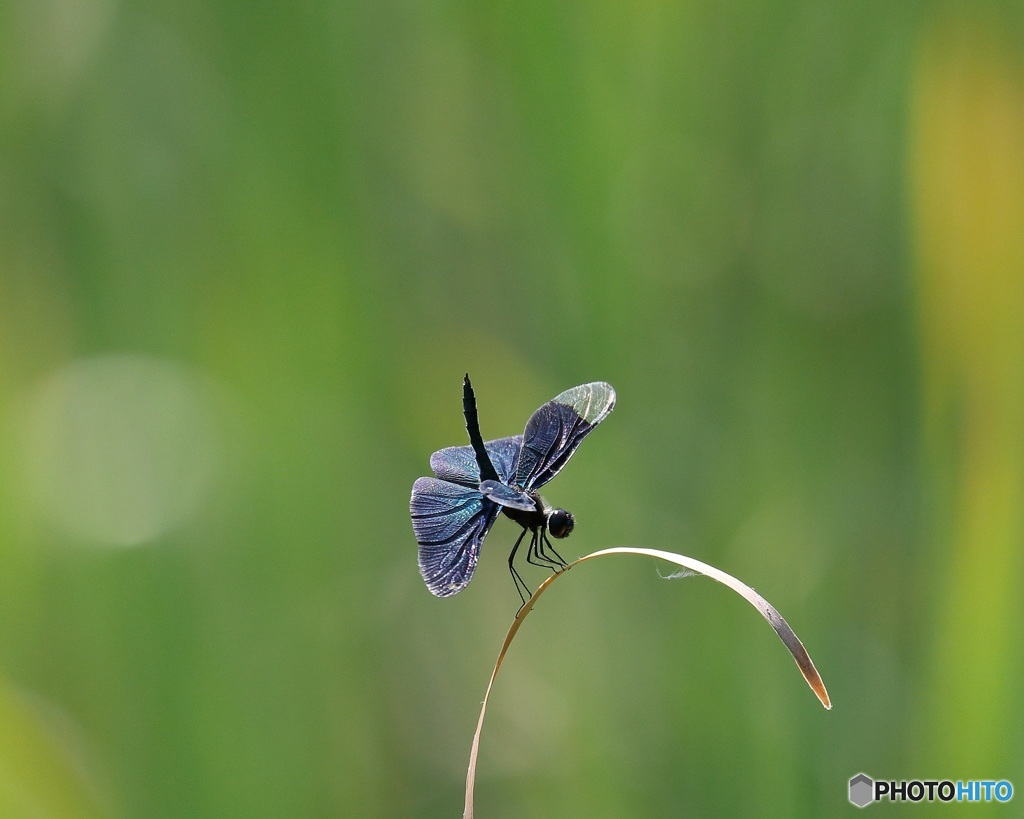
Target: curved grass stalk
{"points": [[767, 610]]}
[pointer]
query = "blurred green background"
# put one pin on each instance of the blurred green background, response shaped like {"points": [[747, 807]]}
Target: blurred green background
{"points": [[247, 252]]}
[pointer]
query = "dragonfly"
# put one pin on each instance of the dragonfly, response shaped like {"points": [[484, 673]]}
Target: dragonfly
{"points": [[453, 511]]}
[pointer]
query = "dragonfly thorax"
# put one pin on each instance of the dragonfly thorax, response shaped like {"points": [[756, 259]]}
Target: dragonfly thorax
{"points": [[557, 522]]}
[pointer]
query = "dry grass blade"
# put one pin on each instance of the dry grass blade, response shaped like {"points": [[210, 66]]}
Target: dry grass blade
{"points": [[768, 611]]}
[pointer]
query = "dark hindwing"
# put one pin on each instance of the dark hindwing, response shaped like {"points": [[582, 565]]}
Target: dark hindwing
{"points": [[458, 463], [450, 522], [555, 431]]}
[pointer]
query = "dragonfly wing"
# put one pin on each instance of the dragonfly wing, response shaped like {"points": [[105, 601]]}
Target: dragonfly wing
{"points": [[457, 464], [504, 495], [555, 431], [504, 454], [450, 522]]}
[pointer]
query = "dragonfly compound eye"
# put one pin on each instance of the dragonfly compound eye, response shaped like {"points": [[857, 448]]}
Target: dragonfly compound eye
{"points": [[560, 523]]}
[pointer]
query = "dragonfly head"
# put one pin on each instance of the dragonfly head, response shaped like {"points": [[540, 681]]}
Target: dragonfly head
{"points": [[560, 523]]}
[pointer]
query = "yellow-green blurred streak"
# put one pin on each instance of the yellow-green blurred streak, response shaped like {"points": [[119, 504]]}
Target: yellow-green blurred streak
{"points": [[967, 166], [40, 770]]}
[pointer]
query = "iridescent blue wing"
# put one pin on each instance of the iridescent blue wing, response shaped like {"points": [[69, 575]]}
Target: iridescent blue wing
{"points": [[458, 463], [556, 429], [504, 495], [450, 523]]}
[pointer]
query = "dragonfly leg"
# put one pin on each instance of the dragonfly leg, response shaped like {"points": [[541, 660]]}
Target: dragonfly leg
{"points": [[520, 583], [549, 553]]}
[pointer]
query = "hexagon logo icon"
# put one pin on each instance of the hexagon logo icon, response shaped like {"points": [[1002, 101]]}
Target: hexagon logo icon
{"points": [[862, 790]]}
